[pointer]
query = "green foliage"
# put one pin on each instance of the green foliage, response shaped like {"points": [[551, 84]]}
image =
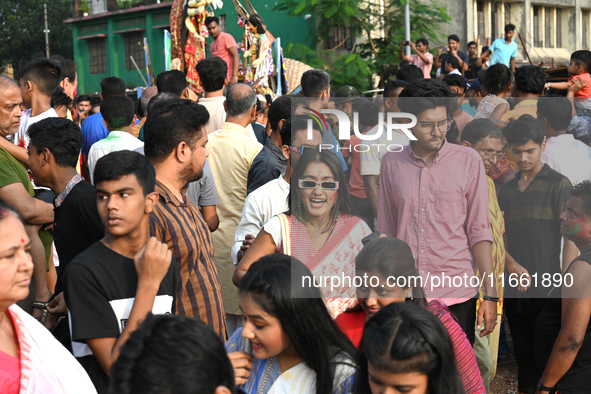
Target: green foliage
{"points": [[84, 6], [370, 56], [349, 69], [425, 20], [340, 12], [22, 37], [330, 13], [305, 55]]}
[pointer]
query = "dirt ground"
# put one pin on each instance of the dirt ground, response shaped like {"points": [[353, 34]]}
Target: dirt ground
{"points": [[505, 381]]}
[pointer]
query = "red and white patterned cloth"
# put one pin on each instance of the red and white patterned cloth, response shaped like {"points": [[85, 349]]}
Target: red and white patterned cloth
{"points": [[335, 259]]}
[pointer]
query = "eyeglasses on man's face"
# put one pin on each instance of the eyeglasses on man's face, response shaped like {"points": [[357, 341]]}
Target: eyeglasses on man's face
{"points": [[491, 154], [310, 184], [427, 127]]}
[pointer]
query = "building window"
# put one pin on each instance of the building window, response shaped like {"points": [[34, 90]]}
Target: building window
{"points": [[493, 21], [134, 46], [547, 27], [222, 19], [340, 37], [480, 17], [97, 54], [559, 28], [537, 42], [548, 22]]}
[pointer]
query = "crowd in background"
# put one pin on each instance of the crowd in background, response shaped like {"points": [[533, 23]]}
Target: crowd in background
{"points": [[157, 246]]}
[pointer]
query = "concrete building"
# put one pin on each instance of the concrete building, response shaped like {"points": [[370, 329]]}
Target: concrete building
{"points": [[105, 40], [551, 29]]}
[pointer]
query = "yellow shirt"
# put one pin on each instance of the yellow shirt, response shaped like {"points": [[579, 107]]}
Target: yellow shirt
{"points": [[525, 107], [497, 228], [231, 152]]}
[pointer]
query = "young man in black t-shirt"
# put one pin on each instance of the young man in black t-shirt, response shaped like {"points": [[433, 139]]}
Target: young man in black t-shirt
{"points": [[473, 68], [453, 46], [532, 203], [111, 287], [54, 148]]}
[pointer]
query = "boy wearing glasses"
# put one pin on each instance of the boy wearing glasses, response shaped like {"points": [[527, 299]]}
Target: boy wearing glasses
{"points": [[434, 196]]}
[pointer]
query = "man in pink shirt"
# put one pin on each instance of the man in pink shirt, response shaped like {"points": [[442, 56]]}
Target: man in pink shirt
{"points": [[423, 59], [224, 46], [434, 196]]}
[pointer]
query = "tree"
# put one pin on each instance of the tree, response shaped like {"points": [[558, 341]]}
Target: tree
{"points": [[21, 30], [371, 56]]}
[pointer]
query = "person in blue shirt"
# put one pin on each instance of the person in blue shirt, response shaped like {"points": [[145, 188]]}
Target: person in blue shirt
{"points": [[504, 50], [93, 128]]}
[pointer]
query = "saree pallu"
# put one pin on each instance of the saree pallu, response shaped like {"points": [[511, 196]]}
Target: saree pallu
{"points": [[266, 377], [334, 263], [46, 366]]}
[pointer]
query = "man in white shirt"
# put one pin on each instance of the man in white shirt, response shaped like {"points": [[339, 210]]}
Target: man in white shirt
{"points": [[271, 198], [213, 76], [38, 79], [231, 153], [565, 154], [119, 117]]}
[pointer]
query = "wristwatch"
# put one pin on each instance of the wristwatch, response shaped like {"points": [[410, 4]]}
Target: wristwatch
{"points": [[541, 387]]}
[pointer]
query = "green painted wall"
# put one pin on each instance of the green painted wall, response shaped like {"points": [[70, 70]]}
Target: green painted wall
{"points": [[115, 46], [291, 30]]}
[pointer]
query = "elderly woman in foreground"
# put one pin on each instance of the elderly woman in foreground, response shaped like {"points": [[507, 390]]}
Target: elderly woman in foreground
{"points": [[32, 360]]}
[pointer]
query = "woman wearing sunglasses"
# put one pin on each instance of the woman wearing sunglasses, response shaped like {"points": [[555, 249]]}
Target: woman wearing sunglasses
{"points": [[320, 229]]}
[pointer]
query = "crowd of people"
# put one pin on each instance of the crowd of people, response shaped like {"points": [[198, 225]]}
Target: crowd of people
{"points": [[157, 246]]}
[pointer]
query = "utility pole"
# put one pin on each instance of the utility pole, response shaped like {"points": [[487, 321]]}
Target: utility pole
{"points": [[407, 26], [46, 31]]}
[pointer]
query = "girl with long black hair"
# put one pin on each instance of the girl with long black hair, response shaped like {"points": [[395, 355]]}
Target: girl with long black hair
{"points": [[289, 343]]}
